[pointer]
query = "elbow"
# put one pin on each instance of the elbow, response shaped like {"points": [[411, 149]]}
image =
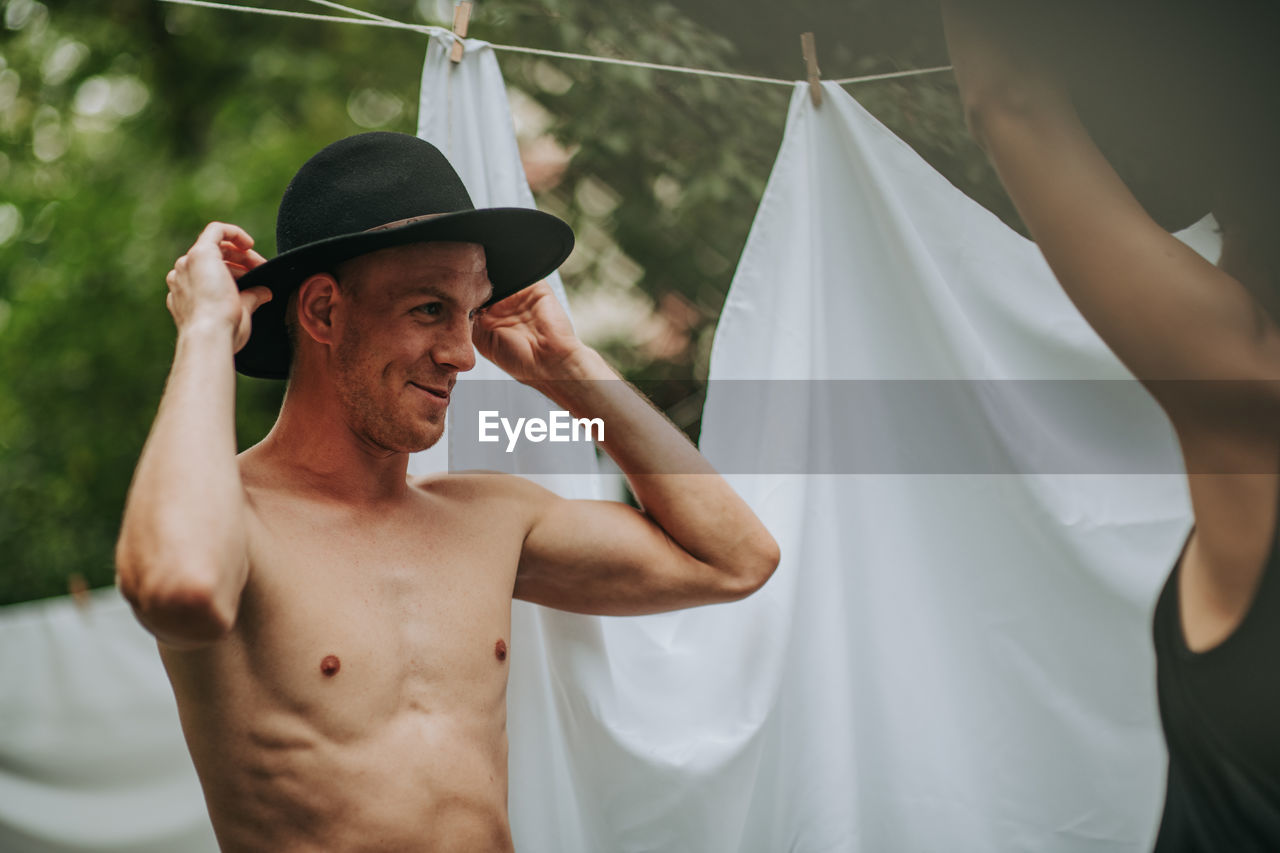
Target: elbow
{"points": [[755, 568], [769, 557], [182, 613], [180, 605]]}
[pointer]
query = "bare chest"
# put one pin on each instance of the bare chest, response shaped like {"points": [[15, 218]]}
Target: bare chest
{"points": [[350, 625]]}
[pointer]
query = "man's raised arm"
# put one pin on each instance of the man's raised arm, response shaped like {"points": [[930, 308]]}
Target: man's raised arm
{"points": [[694, 542], [182, 557]]}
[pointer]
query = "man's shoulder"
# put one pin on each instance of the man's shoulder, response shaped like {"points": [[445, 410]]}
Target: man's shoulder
{"points": [[504, 501], [476, 485], [256, 469]]}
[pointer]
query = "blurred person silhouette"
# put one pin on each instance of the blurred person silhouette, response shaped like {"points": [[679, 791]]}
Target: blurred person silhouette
{"points": [[1109, 123]]}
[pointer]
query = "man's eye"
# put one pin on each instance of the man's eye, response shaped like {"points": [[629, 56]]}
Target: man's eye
{"points": [[431, 309]]}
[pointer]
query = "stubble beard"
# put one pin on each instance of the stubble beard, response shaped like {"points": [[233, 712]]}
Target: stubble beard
{"points": [[382, 423]]}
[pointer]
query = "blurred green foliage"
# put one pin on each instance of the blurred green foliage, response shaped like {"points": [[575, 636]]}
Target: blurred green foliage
{"points": [[126, 125]]}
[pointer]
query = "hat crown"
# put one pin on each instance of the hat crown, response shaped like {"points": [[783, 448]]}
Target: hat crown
{"points": [[363, 182]]}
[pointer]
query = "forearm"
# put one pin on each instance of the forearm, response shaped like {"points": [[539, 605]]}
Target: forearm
{"points": [[677, 488], [996, 72], [182, 551], [1166, 312]]}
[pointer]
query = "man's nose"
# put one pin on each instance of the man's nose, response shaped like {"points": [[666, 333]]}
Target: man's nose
{"points": [[454, 348]]}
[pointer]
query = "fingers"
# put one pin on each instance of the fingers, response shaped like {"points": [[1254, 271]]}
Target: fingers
{"points": [[521, 300], [217, 233], [237, 269], [252, 298], [231, 243], [180, 270], [244, 257], [239, 261]]}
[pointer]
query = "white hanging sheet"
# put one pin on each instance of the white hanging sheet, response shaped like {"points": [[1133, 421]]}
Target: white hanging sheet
{"points": [[960, 661], [91, 753]]}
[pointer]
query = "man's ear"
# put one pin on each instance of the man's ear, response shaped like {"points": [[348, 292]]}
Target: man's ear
{"points": [[317, 297]]}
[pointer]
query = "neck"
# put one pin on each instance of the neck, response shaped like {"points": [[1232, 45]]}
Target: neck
{"points": [[314, 445]]}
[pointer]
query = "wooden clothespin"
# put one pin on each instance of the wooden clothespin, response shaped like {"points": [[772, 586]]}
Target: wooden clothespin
{"points": [[461, 17], [810, 52], [79, 589]]}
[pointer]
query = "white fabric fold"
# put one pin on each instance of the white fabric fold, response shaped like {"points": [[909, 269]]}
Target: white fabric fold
{"points": [[968, 664], [91, 753]]}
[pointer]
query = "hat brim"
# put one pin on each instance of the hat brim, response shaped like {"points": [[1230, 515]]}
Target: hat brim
{"points": [[521, 247]]}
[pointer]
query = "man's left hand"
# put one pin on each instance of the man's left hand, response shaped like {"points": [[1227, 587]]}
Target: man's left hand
{"points": [[528, 334]]}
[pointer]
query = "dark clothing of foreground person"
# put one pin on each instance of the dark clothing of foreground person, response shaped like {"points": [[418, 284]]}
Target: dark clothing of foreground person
{"points": [[1219, 712], [1204, 342], [338, 634]]}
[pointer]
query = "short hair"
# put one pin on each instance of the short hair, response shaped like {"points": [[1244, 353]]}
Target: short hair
{"points": [[348, 282]]}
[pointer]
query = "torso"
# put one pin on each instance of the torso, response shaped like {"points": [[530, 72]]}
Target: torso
{"points": [[1235, 515], [360, 701], [1217, 636]]}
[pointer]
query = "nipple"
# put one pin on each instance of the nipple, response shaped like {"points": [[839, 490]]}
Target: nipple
{"points": [[500, 649], [330, 665]]}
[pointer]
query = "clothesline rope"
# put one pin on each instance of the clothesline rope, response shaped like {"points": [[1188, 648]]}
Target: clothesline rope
{"points": [[353, 11], [372, 20]]}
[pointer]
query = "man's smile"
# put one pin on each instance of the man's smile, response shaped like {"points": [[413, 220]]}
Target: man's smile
{"points": [[439, 392]]}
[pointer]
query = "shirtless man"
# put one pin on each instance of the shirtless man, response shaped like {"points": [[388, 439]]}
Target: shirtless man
{"points": [[337, 634]]}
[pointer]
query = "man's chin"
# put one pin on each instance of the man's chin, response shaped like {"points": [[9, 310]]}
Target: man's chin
{"points": [[427, 438], [407, 438], [427, 443]]}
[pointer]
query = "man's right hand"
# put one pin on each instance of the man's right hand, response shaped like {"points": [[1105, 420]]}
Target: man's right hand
{"points": [[202, 283], [183, 555]]}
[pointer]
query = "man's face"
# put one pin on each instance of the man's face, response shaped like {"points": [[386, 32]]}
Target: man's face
{"points": [[405, 337]]}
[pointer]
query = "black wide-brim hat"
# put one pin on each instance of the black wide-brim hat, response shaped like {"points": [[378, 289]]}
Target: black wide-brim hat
{"points": [[377, 190]]}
